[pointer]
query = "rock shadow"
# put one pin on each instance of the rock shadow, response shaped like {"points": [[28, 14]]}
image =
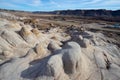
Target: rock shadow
{"points": [[37, 68]]}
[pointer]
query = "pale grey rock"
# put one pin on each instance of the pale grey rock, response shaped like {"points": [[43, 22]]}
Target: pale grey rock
{"points": [[3, 22], [13, 26], [86, 56], [41, 51], [8, 54], [12, 68], [28, 36], [71, 57], [86, 43], [7, 15], [4, 45], [55, 63], [54, 45], [12, 38], [80, 37]]}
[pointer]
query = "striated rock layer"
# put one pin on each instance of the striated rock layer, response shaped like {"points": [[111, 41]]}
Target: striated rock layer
{"points": [[27, 53]]}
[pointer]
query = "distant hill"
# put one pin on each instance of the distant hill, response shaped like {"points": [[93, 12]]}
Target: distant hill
{"points": [[99, 14], [93, 13]]}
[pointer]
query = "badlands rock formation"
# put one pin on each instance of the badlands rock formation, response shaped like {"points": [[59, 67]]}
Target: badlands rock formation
{"points": [[7, 15], [27, 53]]}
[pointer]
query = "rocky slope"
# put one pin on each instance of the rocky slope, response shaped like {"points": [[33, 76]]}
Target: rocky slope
{"points": [[27, 53]]}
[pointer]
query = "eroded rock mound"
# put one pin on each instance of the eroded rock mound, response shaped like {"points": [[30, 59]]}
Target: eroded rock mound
{"points": [[27, 53]]}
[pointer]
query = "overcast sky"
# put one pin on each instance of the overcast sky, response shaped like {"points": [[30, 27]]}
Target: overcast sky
{"points": [[50, 5]]}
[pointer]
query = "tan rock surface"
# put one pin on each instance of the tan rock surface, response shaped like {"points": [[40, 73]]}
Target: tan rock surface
{"points": [[27, 53]]}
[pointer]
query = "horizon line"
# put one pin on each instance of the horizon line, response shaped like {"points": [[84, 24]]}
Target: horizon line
{"points": [[56, 10]]}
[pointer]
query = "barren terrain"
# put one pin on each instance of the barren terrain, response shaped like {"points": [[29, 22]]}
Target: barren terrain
{"points": [[57, 47]]}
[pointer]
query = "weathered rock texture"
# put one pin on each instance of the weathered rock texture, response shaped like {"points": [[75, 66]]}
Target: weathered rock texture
{"points": [[27, 53]]}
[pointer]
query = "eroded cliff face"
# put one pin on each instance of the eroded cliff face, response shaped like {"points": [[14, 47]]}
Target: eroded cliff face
{"points": [[27, 53]]}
